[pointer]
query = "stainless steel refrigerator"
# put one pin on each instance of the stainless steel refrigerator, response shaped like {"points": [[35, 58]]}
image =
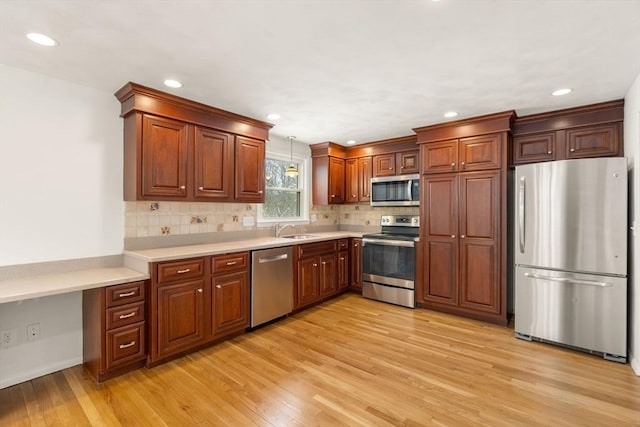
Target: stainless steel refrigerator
{"points": [[571, 254]]}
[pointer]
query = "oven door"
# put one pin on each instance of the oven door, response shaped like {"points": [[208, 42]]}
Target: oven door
{"points": [[389, 262]]}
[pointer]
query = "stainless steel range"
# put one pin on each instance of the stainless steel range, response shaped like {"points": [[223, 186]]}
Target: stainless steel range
{"points": [[389, 261]]}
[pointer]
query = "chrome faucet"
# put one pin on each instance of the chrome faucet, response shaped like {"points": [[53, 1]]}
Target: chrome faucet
{"points": [[280, 227]]}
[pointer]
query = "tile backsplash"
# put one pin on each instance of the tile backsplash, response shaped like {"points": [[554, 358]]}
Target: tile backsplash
{"points": [[146, 219]]}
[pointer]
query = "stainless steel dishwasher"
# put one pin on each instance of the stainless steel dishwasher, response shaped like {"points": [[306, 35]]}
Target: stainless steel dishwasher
{"points": [[271, 284]]}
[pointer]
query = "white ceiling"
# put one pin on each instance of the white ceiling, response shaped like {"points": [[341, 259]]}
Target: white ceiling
{"points": [[339, 69]]}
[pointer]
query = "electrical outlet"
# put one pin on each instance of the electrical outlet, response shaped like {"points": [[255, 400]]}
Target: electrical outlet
{"points": [[314, 217], [33, 332], [8, 338], [247, 221]]}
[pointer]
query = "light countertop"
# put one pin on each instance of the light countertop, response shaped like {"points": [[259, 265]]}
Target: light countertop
{"points": [[181, 252], [60, 283]]}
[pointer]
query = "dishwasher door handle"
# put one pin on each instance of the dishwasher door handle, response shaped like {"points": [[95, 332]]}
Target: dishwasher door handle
{"points": [[272, 258]]}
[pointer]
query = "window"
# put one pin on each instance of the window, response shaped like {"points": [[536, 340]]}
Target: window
{"points": [[284, 198]]}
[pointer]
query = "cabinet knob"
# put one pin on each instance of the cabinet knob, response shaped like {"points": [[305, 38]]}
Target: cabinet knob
{"points": [[572, 150], [453, 165], [453, 236], [199, 290], [218, 286], [355, 244], [341, 258], [401, 167], [315, 265], [549, 152], [259, 191], [462, 165], [324, 262], [354, 195], [182, 187], [462, 236], [333, 195], [201, 188]]}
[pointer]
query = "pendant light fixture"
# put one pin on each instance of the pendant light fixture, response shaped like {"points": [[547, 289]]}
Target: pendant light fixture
{"points": [[291, 171]]}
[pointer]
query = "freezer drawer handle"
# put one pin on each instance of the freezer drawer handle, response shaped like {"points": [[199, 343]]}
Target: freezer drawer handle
{"points": [[566, 280], [273, 258], [521, 205]]}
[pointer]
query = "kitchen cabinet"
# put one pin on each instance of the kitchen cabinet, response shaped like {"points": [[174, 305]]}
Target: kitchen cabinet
{"points": [[343, 264], [355, 257], [357, 176], [463, 254], [114, 333], [230, 308], [582, 132], [401, 163], [462, 240], [179, 150], [328, 179], [316, 272], [463, 154]]}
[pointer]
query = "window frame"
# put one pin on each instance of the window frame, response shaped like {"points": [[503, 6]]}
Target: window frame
{"points": [[304, 181]]}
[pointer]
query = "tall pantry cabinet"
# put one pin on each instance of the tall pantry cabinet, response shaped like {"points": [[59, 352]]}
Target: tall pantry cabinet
{"points": [[463, 236]]}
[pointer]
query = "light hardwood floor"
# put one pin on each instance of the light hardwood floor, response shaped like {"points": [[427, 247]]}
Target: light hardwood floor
{"points": [[349, 361]]}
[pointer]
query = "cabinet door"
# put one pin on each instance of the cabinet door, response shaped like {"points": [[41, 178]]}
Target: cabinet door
{"points": [[479, 241], [407, 162], [249, 171], [440, 229], [594, 141], [328, 273], [213, 172], [230, 302], [364, 178], [352, 184], [534, 148], [164, 157], [181, 316], [336, 180], [480, 152], [384, 165], [343, 270], [307, 287], [355, 259], [439, 157]]}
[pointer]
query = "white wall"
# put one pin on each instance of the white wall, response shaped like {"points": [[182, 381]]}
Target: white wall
{"points": [[60, 198], [632, 152]]}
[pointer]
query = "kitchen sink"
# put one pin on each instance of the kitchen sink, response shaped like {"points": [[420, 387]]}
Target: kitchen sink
{"points": [[299, 236]]}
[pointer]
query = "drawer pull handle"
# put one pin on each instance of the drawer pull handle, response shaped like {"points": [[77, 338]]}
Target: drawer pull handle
{"points": [[131, 344], [186, 270], [126, 316], [232, 262], [126, 294]]}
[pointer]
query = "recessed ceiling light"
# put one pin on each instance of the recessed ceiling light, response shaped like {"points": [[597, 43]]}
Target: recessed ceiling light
{"points": [[560, 92], [351, 142], [273, 116], [41, 39], [172, 83], [450, 114]]}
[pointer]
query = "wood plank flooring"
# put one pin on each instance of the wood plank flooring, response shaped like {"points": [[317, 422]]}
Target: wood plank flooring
{"points": [[349, 361]]}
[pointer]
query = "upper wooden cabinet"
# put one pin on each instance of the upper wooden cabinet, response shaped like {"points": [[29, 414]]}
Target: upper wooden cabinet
{"points": [[181, 150], [588, 131], [390, 164], [328, 174], [357, 177], [463, 154]]}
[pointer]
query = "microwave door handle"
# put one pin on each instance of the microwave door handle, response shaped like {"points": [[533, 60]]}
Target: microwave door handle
{"points": [[409, 182]]}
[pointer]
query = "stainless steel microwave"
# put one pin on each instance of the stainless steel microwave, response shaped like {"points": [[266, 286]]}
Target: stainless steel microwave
{"points": [[399, 190]]}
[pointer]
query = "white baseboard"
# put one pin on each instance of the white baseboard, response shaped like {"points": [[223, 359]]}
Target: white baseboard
{"points": [[26, 376], [635, 364]]}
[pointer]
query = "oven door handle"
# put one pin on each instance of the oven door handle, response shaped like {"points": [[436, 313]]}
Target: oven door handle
{"points": [[403, 243]]}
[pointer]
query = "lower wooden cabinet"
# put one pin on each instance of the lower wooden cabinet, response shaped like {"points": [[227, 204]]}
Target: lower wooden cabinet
{"points": [[197, 301], [321, 270], [114, 329], [355, 255]]}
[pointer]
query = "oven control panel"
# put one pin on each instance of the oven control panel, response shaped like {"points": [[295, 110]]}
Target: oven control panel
{"points": [[400, 220]]}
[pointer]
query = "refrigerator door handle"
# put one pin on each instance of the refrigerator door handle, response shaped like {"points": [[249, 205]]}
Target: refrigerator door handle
{"points": [[566, 280], [521, 206]]}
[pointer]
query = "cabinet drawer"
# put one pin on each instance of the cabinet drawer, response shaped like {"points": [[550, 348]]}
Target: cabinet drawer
{"points": [[125, 345], [311, 249], [124, 294], [125, 315], [180, 270], [343, 244], [230, 262]]}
